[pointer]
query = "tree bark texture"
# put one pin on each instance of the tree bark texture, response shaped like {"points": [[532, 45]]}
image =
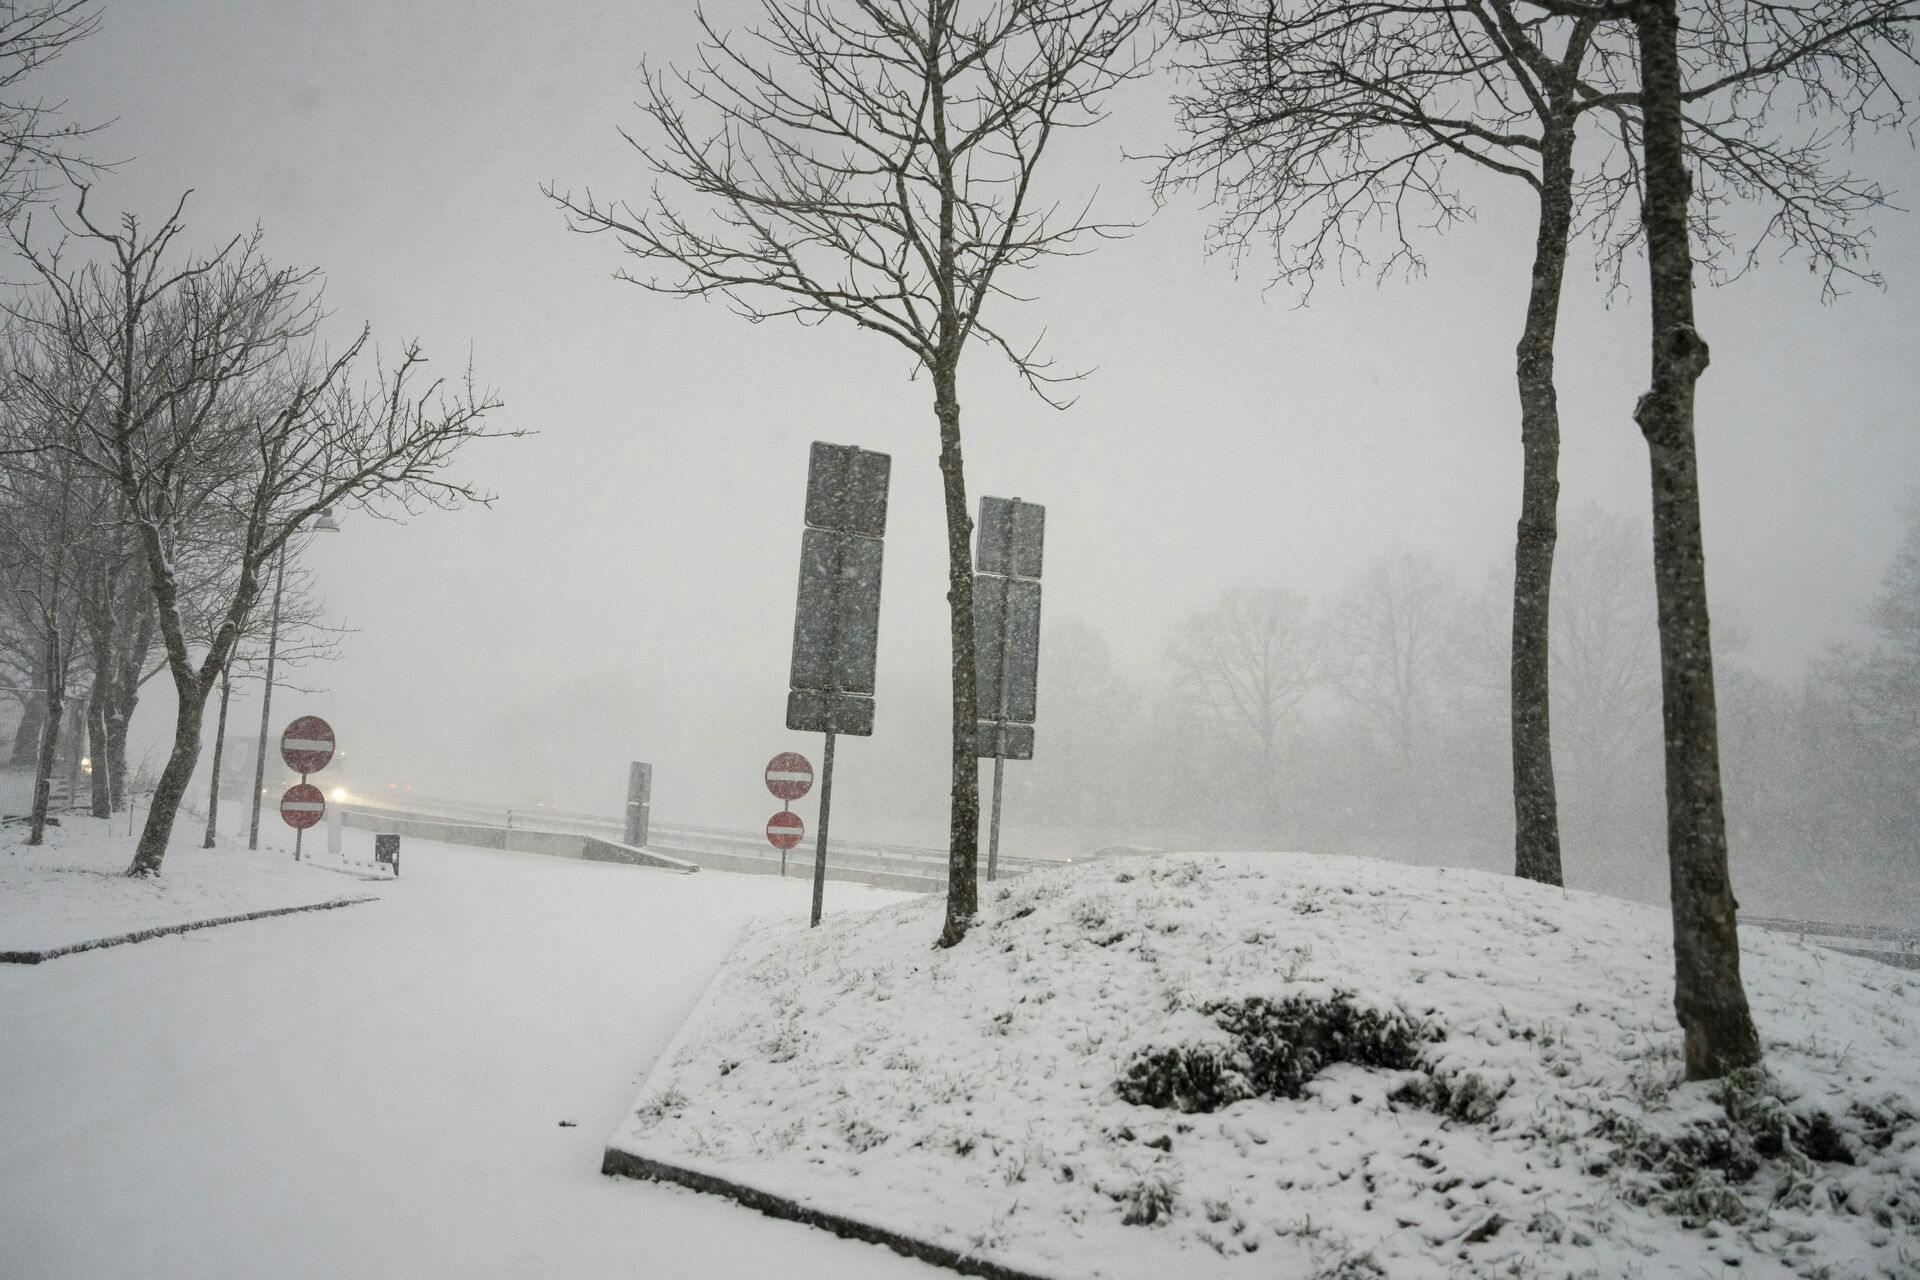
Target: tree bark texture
{"points": [[51, 708], [97, 752], [97, 699], [172, 787], [26, 735], [963, 850], [1708, 995], [219, 749], [1536, 817], [126, 697]]}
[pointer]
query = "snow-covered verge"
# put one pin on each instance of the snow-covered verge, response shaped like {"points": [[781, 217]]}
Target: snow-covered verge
{"points": [[1277, 1065], [73, 889]]}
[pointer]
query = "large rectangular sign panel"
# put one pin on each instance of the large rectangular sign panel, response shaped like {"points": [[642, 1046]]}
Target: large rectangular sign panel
{"points": [[1006, 625], [1006, 631], [1011, 538], [836, 623]]}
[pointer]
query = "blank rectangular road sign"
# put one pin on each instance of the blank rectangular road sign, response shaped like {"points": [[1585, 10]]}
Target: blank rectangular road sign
{"points": [[836, 627], [1006, 614], [989, 737], [816, 711], [836, 620], [1012, 534], [847, 489]]}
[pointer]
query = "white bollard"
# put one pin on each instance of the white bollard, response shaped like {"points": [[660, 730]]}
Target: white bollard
{"points": [[333, 828]]}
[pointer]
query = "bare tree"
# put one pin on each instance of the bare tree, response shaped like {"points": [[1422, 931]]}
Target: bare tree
{"points": [[1883, 684], [1334, 126], [209, 408], [43, 515], [875, 161], [35, 136], [1708, 994], [1248, 661], [1391, 634]]}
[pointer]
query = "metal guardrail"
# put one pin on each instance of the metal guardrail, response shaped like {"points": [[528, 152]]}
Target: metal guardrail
{"points": [[916, 857], [1897, 947]]}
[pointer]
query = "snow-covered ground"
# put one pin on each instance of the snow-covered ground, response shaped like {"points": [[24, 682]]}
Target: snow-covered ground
{"points": [[1095, 1083], [415, 1087], [73, 888]]}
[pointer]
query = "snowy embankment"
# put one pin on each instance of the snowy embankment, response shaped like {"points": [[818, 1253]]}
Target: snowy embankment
{"points": [[1274, 1065], [73, 889]]}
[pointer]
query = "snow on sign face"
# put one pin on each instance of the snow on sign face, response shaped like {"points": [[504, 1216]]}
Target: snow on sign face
{"points": [[784, 830], [302, 806], [307, 744], [789, 775]]}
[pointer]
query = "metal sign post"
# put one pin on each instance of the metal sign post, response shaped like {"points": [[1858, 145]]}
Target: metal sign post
{"points": [[1006, 637], [836, 621]]}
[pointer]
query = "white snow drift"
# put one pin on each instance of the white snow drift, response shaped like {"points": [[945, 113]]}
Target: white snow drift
{"points": [[1534, 1124]]}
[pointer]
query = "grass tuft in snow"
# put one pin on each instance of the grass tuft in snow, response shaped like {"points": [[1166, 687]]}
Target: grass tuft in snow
{"points": [[1276, 1047]]}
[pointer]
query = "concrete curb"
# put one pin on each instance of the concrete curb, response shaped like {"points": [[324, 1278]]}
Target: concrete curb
{"points": [[626, 1164], [161, 931]]}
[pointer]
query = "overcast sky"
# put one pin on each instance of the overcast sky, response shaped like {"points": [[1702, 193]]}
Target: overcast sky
{"points": [[630, 594]]}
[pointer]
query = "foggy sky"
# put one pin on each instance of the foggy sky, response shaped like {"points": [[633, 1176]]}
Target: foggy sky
{"points": [[630, 595]]}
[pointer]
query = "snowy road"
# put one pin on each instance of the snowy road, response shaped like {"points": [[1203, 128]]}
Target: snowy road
{"points": [[379, 1091]]}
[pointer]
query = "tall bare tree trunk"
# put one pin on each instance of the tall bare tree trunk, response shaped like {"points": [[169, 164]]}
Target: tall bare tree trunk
{"points": [[97, 699], [125, 697], [117, 758], [1708, 994], [172, 787], [97, 752], [219, 749], [963, 850], [26, 736], [49, 737], [1536, 806]]}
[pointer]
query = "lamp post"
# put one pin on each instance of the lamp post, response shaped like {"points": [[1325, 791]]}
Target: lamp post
{"points": [[323, 523]]}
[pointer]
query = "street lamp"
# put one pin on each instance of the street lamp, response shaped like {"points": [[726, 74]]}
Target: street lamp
{"points": [[323, 523]]}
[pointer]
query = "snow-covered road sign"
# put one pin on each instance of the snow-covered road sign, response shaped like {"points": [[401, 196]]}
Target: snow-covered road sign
{"points": [[836, 624], [1006, 625], [307, 745], [302, 806], [1006, 641], [784, 830], [789, 775]]}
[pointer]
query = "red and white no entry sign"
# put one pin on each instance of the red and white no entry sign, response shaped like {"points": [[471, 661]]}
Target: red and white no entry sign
{"points": [[307, 745], [302, 806], [789, 776], [784, 829]]}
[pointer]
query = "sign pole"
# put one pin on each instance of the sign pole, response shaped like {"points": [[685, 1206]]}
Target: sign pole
{"points": [[785, 808], [1000, 727], [299, 833], [820, 843], [993, 829]]}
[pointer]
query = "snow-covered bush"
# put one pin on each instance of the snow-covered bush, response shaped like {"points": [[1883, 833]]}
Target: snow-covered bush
{"points": [[1276, 1046]]}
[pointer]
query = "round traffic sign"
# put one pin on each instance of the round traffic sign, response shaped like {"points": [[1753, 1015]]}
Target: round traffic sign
{"points": [[302, 806], [784, 829], [789, 776], [307, 744]]}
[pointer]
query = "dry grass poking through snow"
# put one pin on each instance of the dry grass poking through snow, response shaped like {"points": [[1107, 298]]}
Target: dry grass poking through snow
{"points": [[1277, 1065]]}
